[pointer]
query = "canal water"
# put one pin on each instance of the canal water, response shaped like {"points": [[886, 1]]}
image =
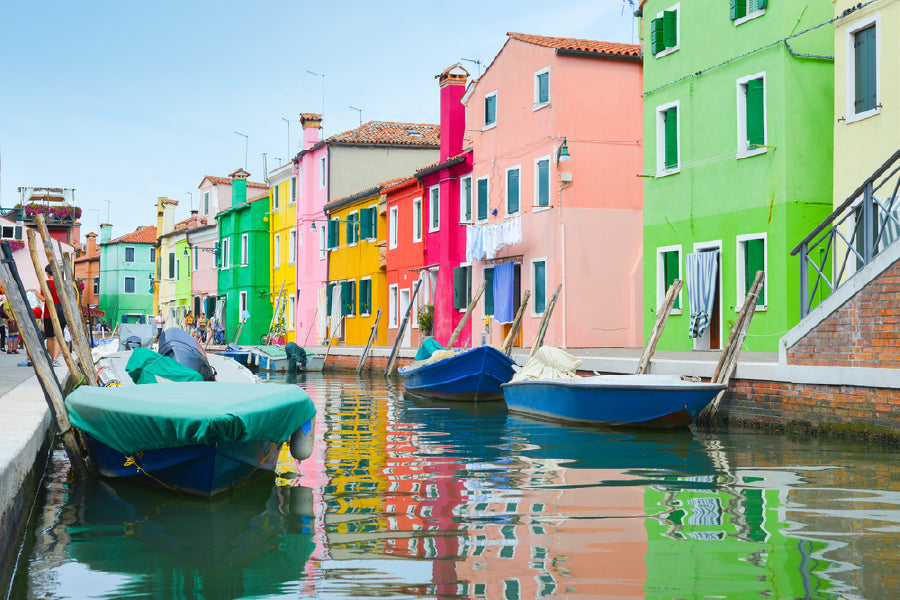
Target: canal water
{"points": [[412, 499]]}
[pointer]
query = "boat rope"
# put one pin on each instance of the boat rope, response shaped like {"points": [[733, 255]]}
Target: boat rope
{"points": [[131, 460]]}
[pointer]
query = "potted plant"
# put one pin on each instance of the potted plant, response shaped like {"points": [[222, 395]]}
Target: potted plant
{"points": [[425, 314]]}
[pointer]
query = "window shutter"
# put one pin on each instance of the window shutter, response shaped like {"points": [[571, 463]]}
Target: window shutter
{"points": [[544, 183], [171, 265], [670, 274], [467, 198], [754, 253], [738, 9], [864, 66], [543, 88], [350, 228], [365, 296], [17, 232], [756, 126], [512, 191], [657, 43], [540, 287], [373, 225], [482, 199], [333, 233], [670, 28], [760, 4], [459, 287], [328, 299], [365, 223], [346, 298], [671, 120], [489, 291]]}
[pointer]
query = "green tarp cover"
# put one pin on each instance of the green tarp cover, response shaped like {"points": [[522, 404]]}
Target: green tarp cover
{"points": [[272, 351], [428, 347], [145, 366], [168, 415]]}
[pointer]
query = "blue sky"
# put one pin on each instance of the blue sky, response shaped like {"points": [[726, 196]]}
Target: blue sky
{"points": [[128, 101]]}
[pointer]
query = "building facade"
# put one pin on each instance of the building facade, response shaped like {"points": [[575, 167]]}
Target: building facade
{"points": [[127, 266], [405, 257], [283, 245]]}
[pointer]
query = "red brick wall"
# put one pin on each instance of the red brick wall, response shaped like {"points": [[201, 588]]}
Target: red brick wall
{"points": [[864, 332], [374, 364]]}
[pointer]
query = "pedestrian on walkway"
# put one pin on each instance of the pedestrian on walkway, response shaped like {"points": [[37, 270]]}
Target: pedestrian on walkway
{"points": [[53, 344]]}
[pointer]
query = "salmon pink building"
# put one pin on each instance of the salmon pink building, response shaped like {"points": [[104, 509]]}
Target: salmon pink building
{"points": [[555, 127]]}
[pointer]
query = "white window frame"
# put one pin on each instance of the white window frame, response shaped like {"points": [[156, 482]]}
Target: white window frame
{"points": [[323, 243], [291, 302], [393, 306], [659, 15], [353, 228], [487, 193], [463, 199], [245, 249], [535, 205], [323, 166], [661, 170], [660, 276], [434, 208], [125, 255], [133, 284], [506, 188], [242, 304], [743, 148], [750, 15], [293, 186], [392, 227], [206, 203], [275, 196], [292, 248], [97, 285], [851, 69], [470, 277], [226, 254], [417, 220], [544, 260], [485, 124], [537, 103], [152, 255], [740, 248], [276, 251], [196, 258]]}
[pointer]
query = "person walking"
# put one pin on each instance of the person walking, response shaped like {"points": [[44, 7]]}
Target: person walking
{"points": [[4, 317], [53, 344], [160, 321]]}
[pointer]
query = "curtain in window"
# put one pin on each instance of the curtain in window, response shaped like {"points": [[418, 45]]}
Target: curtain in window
{"points": [[701, 269], [335, 310], [504, 291]]}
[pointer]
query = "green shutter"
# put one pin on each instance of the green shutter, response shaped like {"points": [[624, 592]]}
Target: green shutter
{"points": [[540, 286], [434, 216], [365, 223], [489, 291], [17, 232], [543, 183], [365, 296], [512, 191], [482, 199], [467, 199], [293, 189], [351, 231], [755, 105], [670, 28], [671, 120], [670, 274], [329, 292], [334, 233], [760, 4], [346, 297], [543, 88], [738, 9], [490, 109], [754, 260], [459, 287], [657, 41], [171, 265], [865, 74]]}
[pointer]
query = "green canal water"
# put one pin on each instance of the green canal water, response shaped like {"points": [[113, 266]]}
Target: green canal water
{"points": [[411, 499]]}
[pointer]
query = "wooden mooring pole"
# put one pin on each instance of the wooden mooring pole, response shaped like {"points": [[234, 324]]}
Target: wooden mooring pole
{"points": [[661, 318]]}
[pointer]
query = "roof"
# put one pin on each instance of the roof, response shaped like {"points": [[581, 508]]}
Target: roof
{"points": [[227, 181], [391, 133], [399, 185], [375, 190], [88, 255], [189, 224], [578, 45], [450, 162], [142, 235]]}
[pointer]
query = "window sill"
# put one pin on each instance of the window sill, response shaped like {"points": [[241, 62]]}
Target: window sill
{"points": [[489, 126], [864, 115], [433, 230], [747, 152], [415, 241], [540, 209], [667, 172], [538, 107], [762, 308], [750, 17], [667, 51]]}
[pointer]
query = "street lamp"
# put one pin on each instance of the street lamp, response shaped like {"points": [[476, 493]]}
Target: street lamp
{"points": [[246, 144]]}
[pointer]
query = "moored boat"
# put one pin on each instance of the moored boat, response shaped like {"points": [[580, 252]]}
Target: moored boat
{"points": [[473, 375]]}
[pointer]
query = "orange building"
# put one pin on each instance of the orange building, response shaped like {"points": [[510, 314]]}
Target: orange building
{"points": [[87, 272]]}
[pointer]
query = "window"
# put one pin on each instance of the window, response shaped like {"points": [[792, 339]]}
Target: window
{"points": [[129, 285], [539, 284], [348, 298], [300, 183], [664, 32], [668, 269], [863, 60], [462, 287], [751, 257], [177, 269], [205, 203], [275, 196], [293, 198], [393, 306], [489, 291], [365, 296], [417, 220], [196, 257], [392, 227], [171, 265], [744, 10], [465, 200], [542, 182], [129, 254], [292, 248], [368, 229], [96, 285], [490, 109], [667, 139], [289, 309], [482, 198], [276, 251], [751, 95], [434, 208], [334, 233], [242, 304], [245, 250], [512, 190], [152, 255], [226, 253], [322, 172], [542, 88], [351, 227]]}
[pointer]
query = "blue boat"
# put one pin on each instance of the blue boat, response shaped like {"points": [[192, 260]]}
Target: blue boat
{"points": [[651, 401], [474, 375], [239, 354]]}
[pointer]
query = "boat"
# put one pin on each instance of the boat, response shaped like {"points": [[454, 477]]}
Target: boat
{"points": [[157, 422], [549, 388], [241, 355], [269, 358], [474, 375]]}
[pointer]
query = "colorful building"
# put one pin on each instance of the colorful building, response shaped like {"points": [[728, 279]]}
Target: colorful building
{"points": [[203, 246], [178, 266], [283, 245], [357, 262], [245, 269], [737, 164], [127, 266], [335, 168], [164, 282], [87, 273], [555, 127]]}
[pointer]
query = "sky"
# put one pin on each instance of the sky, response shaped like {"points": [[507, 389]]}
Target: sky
{"points": [[126, 102]]}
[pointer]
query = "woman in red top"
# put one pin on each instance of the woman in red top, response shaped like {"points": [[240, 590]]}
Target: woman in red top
{"points": [[52, 343]]}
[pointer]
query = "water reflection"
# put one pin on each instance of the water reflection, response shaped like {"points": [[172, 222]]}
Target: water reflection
{"points": [[408, 498]]}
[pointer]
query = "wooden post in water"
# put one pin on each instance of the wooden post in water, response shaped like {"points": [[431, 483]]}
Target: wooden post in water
{"points": [[465, 318], [402, 329], [69, 269], [331, 339], [664, 310], [372, 334], [542, 331], [278, 301], [34, 345], [517, 324]]}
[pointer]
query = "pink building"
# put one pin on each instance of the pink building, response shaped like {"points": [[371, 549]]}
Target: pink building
{"points": [[555, 127]]}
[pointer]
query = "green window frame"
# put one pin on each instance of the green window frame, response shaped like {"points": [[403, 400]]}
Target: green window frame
{"points": [[539, 284], [542, 182], [512, 190], [865, 76], [481, 193], [490, 109], [664, 31], [365, 296], [754, 260], [671, 270], [489, 291], [334, 233], [462, 287]]}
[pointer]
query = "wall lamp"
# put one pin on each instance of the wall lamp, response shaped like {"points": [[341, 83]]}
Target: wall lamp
{"points": [[312, 224], [214, 250], [563, 154]]}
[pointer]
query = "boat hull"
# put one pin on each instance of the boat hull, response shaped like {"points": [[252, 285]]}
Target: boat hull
{"points": [[607, 403], [241, 356], [473, 375]]}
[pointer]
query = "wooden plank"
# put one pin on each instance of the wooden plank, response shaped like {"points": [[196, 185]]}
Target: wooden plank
{"points": [[278, 301], [517, 324], [659, 326], [542, 330], [402, 330], [372, 334], [40, 360], [465, 318]]}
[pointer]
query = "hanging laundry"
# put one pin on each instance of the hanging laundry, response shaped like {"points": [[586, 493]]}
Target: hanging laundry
{"points": [[504, 292], [701, 269], [484, 241]]}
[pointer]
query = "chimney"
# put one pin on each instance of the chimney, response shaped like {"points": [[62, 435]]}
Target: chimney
{"points": [[239, 187], [90, 243], [452, 82], [312, 129], [105, 232]]}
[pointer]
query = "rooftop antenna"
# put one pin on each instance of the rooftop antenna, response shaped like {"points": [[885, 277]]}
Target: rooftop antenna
{"points": [[475, 61], [289, 134], [322, 75], [246, 143], [360, 113]]}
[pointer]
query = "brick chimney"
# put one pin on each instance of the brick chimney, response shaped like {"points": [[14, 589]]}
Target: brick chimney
{"points": [[90, 244], [452, 82], [312, 129]]}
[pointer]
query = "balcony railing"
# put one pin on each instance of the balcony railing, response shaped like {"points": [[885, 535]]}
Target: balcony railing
{"points": [[860, 229]]}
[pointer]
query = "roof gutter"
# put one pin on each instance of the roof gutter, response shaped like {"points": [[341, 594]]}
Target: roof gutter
{"points": [[589, 54]]}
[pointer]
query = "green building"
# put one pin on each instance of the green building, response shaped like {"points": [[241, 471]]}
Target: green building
{"points": [[244, 267], [183, 270], [738, 119], [127, 266]]}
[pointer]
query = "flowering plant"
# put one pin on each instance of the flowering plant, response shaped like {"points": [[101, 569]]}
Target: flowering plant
{"points": [[65, 212], [16, 245]]}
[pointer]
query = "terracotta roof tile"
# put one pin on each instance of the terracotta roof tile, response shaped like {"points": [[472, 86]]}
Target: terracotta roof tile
{"points": [[367, 193], [560, 43], [227, 181], [88, 255], [143, 235], [389, 132]]}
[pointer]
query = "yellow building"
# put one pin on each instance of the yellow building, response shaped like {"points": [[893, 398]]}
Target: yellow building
{"points": [[283, 245], [357, 281]]}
